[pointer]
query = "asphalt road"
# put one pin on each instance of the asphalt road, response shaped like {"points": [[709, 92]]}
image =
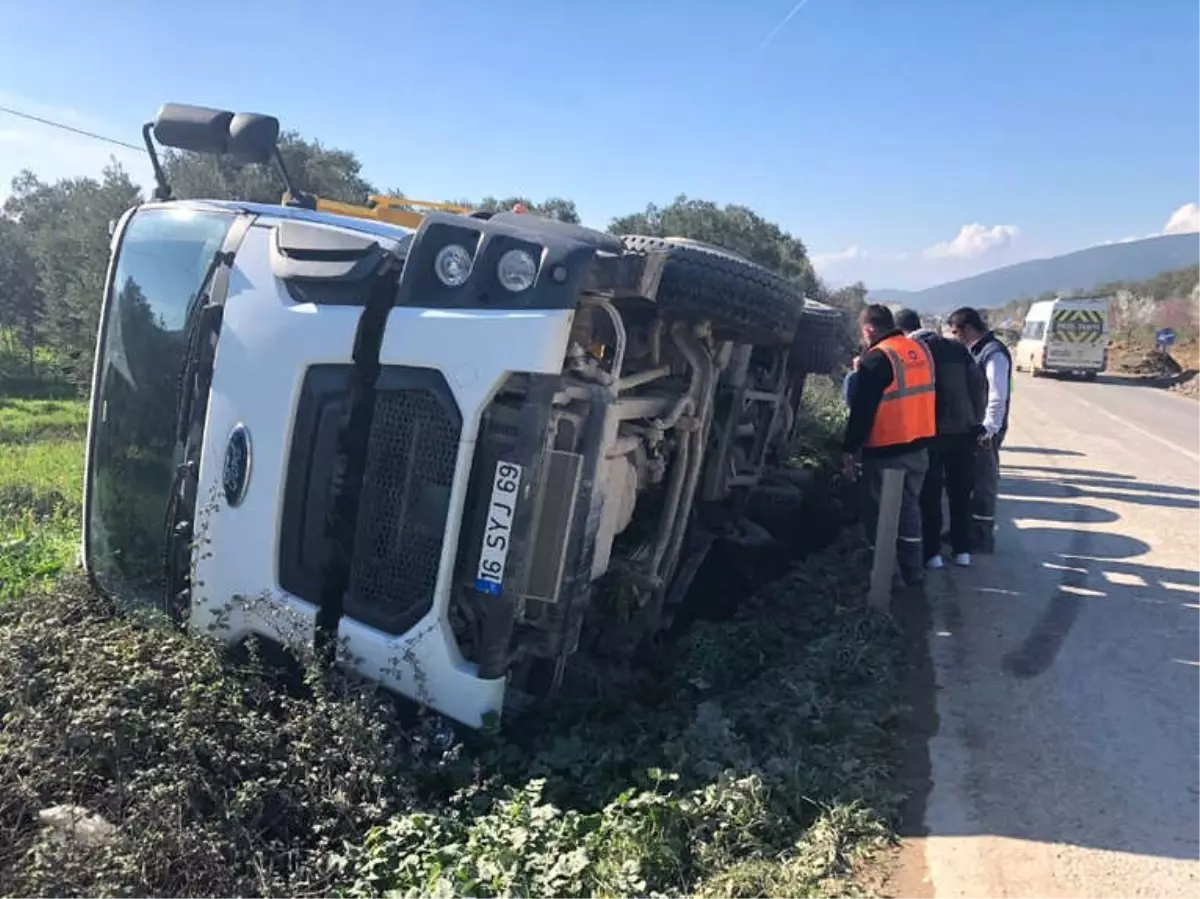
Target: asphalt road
{"points": [[1064, 757]]}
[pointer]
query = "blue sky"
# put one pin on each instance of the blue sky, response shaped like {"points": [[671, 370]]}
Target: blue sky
{"points": [[907, 142]]}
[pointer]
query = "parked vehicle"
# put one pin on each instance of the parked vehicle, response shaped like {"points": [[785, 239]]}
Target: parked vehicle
{"points": [[1067, 336], [430, 447]]}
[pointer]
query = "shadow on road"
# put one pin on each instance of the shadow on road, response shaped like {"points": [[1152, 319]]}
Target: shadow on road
{"points": [[1069, 670], [1028, 507], [1039, 451], [1066, 472], [1090, 478], [1132, 490]]}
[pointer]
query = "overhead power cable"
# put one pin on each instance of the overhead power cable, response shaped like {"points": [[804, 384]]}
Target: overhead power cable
{"points": [[72, 129]]}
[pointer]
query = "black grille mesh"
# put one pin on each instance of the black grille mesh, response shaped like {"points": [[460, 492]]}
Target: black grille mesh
{"points": [[402, 515]]}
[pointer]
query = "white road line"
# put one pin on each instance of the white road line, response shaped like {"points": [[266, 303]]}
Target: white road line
{"points": [[1167, 443]]}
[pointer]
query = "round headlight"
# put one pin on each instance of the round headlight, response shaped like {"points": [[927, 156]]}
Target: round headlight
{"points": [[452, 265], [516, 270]]}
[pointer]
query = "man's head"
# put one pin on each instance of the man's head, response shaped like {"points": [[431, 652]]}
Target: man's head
{"points": [[907, 320], [966, 325], [876, 321]]}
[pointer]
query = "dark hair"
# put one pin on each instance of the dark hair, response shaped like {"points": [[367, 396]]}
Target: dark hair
{"points": [[878, 317], [908, 320], [969, 317]]}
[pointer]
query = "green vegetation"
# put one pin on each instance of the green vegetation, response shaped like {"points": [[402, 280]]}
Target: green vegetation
{"points": [[760, 765], [41, 478], [823, 417], [753, 756]]}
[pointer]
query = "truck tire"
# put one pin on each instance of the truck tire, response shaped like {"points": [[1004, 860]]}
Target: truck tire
{"points": [[818, 346], [743, 300]]}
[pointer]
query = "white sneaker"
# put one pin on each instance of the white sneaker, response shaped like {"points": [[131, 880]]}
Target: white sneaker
{"points": [[963, 560], [935, 563]]}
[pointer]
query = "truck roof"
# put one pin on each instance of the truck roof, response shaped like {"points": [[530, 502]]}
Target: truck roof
{"points": [[295, 213], [1069, 301]]}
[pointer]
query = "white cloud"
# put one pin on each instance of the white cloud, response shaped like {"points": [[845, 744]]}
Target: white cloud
{"points": [[974, 249], [974, 240], [853, 254], [1184, 220], [822, 261]]}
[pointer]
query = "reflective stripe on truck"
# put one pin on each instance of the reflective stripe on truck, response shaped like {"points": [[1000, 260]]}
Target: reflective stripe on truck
{"points": [[1078, 325]]}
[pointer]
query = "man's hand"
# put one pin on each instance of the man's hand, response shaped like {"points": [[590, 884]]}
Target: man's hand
{"points": [[849, 468]]}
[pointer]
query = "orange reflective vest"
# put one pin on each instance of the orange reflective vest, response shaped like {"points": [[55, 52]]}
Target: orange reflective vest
{"points": [[907, 410]]}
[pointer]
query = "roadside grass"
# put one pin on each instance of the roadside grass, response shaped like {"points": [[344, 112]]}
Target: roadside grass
{"points": [[755, 756], [41, 486]]}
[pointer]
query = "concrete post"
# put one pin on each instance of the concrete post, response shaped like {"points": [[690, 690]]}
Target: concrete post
{"points": [[886, 532]]}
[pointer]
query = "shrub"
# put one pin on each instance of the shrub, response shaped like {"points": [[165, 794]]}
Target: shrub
{"points": [[222, 780], [822, 418], [760, 765]]}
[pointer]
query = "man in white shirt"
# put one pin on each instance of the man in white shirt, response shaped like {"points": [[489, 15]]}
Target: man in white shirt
{"points": [[968, 326]]}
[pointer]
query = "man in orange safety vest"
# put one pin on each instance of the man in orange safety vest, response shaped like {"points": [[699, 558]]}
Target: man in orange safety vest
{"points": [[893, 418]]}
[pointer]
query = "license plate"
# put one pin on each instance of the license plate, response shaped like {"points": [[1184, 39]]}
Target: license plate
{"points": [[497, 532]]}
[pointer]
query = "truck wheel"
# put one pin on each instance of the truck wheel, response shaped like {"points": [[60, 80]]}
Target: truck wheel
{"points": [[818, 346], [777, 508], [743, 300]]}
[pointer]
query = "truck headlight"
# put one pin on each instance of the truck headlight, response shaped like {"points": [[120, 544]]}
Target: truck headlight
{"points": [[452, 265], [516, 270]]}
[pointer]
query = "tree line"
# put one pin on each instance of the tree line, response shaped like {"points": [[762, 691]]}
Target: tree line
{"points": [[54, 241]]}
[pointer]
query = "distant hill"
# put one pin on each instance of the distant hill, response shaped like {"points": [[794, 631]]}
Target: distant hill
{"points": [[1133, 261]]}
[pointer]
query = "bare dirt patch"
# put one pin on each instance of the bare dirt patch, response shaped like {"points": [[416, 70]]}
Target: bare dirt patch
{"points": [[1143, 363], [1140, 360]]}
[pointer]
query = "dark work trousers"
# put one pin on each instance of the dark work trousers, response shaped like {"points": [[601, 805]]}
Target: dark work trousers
{"points": [[983, 496], [951, 468], [909, 553]]}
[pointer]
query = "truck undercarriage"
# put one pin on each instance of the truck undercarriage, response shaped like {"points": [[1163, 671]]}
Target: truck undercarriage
{"points": [[433, 450]]}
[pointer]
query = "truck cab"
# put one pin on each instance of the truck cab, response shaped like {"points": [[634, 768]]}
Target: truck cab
{"points": [[435, 453]]}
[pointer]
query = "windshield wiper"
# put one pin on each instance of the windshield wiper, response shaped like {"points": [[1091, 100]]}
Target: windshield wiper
{"points": [[198, 323], [202, 320]]}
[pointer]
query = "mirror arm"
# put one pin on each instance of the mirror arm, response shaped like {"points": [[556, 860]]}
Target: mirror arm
{"points": [[295, 196], [162, 190]]}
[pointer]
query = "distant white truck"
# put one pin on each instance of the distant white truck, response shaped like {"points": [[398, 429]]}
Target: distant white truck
{"points": [[1065, 336]]}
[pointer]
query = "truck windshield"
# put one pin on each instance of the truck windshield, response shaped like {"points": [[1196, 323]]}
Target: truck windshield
{"points": [[161, 262]]}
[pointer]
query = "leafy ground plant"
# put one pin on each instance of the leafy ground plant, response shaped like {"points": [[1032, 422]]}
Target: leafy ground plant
{"points": [[756, 761], [220, 778], [761, 766]]}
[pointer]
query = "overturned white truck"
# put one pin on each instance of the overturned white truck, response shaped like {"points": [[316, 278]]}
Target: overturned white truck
{"points": [[429, 447]]}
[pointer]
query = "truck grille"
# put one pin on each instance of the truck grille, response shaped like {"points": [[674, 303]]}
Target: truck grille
{"points": [[411, 453], [412, 448]]}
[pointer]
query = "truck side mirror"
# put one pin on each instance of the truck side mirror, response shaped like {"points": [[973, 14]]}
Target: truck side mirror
{"points": [[194, 128]]}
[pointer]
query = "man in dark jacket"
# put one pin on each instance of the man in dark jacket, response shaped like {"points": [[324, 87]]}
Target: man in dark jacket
{"points": [[893, 418], [970, 329], [961, 400]]}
